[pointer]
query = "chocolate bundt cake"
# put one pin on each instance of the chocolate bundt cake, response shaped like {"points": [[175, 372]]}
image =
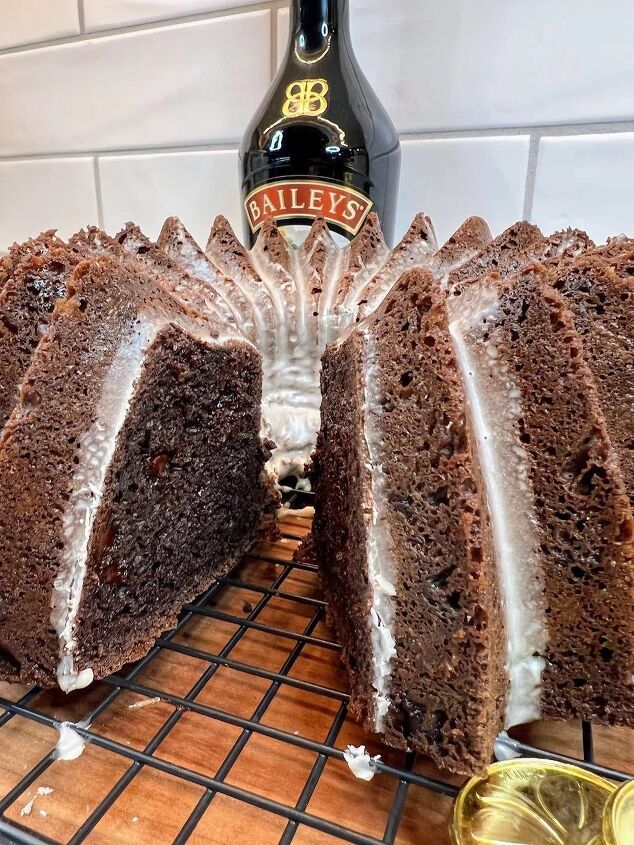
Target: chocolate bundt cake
{"points": [[401, 533], [473, 471], [131, 474], [472, 525], [560, 513]]}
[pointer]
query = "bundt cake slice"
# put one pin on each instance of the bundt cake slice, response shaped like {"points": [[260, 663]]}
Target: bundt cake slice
{"points": [[402, 537], [561, 517], [463, 456], [131, 476]]}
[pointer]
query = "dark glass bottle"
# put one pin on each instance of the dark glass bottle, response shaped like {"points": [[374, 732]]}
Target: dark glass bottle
{"points": [[321, 144]]}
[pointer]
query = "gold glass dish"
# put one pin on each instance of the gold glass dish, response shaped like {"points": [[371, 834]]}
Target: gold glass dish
{"points": [[531, 802], [618, 816]]}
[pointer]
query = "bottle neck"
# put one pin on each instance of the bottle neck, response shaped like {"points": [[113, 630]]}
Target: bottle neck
{"points": [[316, 24]]}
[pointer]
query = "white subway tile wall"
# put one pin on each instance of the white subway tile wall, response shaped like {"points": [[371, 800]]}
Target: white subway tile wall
{"points": [[28, 21], [453, 178], [106, 14], [133, 109], [46, 194], [193, 83], [586, 181], [194, 186]]}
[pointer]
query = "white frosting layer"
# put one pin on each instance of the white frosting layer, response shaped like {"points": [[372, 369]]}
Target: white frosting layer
{"points": [[494, 405], [505, 748], [70, 744], [378, 545], [226, 297], [328, 316], [94, 455], [297, 313], [360, 763], [294, 429]]}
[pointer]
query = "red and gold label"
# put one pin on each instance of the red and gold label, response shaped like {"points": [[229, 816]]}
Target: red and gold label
{"points": [[306, 199]]}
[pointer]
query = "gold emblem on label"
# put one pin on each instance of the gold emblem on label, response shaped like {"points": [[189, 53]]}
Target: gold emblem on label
{"points": [[532, 802], [305, 97]]}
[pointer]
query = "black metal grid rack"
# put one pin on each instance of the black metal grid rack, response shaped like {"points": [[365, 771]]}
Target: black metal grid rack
{"points": [[295, 816]]}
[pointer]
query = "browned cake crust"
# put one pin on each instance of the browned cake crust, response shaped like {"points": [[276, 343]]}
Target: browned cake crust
{"points": [[601, 298], [447, 620], [187, 455], [38, 274], [515, 247], [6, 268], [144, 258], [319, 249], [584, 519], [315, 243], [616, 246], [568, 243], [225, 249], [467, 241], [274, 245]]}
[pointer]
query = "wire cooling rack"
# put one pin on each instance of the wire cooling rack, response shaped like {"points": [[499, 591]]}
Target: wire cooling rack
{"points": [[231, 730]]}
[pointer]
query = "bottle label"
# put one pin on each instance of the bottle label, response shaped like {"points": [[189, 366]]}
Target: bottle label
{"points": [[294, 200]]}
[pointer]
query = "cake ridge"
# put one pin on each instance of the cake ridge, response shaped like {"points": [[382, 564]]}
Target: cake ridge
{"points": [[36, 279], [175, 241], [415, 249], [597, 287]]}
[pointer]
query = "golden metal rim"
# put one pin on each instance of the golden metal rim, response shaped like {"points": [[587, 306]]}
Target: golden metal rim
{"points": [[613, 807], [515, 765]]}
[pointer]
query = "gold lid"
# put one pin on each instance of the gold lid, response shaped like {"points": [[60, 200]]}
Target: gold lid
{"points": [[531, 802], [618, 816]]}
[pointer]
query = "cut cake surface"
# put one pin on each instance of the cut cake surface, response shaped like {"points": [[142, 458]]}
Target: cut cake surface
{"points": [[527, 483], [131, 418]]}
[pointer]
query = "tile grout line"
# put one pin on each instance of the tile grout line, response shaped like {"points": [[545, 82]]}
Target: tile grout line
{"points": [[531, 174], [273, 59], [111, 32], [129, 151], [98, 194], [545, 129], [82, 17], [560, 130]]}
